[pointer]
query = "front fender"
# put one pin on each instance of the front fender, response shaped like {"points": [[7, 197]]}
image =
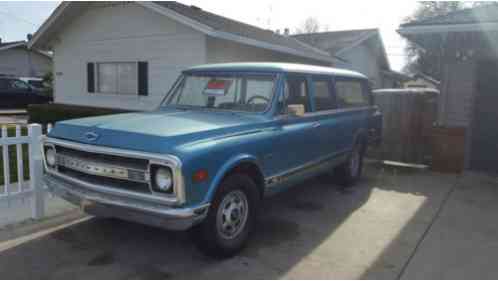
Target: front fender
{"points": [[225, 169]]}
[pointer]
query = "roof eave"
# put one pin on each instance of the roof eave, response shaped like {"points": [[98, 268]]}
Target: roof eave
{"points": [[12, 46], [446, 28], [191, 23], [48, 23]]}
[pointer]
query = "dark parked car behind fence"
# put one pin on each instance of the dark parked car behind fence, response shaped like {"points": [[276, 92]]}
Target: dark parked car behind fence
{"points": [[15, 93]]}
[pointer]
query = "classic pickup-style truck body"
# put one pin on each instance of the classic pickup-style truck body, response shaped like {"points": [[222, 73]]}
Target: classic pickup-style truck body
{"points": [[225, 137]]}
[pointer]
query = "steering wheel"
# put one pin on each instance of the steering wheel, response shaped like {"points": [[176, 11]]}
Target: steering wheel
{"points": [[251, 100]]}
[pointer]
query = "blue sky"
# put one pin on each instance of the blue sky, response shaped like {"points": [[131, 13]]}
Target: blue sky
{"points": [[20, 18]]}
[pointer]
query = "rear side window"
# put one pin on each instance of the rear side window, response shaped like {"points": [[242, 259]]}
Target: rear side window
{"points": [[296, 92], [323, 97], [350, 94]]}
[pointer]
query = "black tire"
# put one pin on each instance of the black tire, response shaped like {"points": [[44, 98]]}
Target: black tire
{"points": [[345, 173], [209, 235]]}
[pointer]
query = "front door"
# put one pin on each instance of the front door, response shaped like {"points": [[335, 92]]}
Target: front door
{"points": [[484, 140]]}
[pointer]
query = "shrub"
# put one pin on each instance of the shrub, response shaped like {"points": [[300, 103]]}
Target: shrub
{"points": [[51, 113]]}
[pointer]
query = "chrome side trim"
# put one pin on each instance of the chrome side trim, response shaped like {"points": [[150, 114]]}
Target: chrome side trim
{"points": [[170, 161], [280, 177]]}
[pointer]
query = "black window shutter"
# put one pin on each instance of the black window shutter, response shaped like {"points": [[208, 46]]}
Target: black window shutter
{"points": [[143, 78], [90, 76]]}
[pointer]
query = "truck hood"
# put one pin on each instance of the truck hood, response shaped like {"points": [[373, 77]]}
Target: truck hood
{"points": [[154, 132]]}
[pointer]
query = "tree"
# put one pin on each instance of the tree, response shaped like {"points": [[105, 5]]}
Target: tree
{"points": [[426, 60], [310, 25]]}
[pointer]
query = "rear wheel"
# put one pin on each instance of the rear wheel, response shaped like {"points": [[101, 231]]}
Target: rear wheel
{"points": [[226, 229], [350, 171]]}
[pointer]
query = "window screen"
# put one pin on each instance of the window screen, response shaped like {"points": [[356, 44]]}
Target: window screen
{"points": [[296, 91], [350, 94], [323, 98], [117, 78]]}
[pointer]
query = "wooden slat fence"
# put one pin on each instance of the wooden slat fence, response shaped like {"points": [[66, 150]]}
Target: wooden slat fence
{"points": [[409, 116]]}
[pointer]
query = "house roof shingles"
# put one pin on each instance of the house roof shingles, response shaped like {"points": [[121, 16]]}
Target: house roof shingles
{"points": [[487, 13], [224, 24], [335, 41]]}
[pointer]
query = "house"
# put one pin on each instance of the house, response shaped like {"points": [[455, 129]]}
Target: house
{"points": [[467, 41], [359, 50], [127, 55], [421, 80], [17, 60]]}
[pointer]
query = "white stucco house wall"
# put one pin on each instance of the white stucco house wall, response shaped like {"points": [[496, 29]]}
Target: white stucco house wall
{"points": [[17, 60], [127, 55], [359, 50]]}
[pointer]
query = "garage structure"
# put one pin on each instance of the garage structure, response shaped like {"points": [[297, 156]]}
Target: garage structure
{"points": [[467, 41]]}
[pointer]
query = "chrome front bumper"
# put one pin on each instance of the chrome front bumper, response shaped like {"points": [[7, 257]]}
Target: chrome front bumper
{"points": [[105, 205]]}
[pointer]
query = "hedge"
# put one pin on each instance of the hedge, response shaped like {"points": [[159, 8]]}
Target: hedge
{"points": [[51, 113]]}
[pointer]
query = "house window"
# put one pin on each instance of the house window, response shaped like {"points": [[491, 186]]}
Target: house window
{"points": [[117, 78]]}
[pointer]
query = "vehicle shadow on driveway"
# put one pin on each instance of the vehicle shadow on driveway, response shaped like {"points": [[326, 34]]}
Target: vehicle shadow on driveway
{"points": [[305, 232]]}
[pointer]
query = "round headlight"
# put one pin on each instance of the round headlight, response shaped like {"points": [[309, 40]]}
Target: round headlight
{"points": [[163, 179], [50, 157]]}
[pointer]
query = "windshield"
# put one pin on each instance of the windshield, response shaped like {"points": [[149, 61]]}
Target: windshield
{"points": [[249, 93]]}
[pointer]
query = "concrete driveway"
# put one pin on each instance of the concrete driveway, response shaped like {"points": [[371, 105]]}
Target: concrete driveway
{"points": [[397, 223]]}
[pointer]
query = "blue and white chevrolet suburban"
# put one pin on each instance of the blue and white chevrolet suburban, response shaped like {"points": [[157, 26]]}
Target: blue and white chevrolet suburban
{"points": [[225, 137]]}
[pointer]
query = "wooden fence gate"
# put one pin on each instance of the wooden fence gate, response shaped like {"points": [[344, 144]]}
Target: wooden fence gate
{"points": [[409, 115]]}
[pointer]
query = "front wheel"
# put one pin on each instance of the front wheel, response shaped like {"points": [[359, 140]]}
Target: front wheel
{"points": [[230, 219], [350, 171]]}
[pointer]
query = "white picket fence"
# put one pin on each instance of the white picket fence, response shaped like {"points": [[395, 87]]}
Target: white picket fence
{"points": [[31, 189]]}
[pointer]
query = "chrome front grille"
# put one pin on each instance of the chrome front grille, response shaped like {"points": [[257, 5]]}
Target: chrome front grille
{"points": [[91, 167], [114, 171]]}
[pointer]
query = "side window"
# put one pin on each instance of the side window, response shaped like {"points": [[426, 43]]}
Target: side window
{"points": [[323, 97], [350, 94], [296, 91]]}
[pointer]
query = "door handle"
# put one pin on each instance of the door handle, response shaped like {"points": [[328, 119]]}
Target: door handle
{"points": [[317, 125]]}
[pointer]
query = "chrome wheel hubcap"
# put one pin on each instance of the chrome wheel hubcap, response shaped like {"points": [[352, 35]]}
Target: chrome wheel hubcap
{"points": [[232, 215]]}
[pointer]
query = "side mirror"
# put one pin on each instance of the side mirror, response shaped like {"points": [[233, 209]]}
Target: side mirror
{"points": [[296, 110]]}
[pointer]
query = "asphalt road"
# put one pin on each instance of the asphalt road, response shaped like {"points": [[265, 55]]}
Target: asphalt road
{"points": [[316, 230]]}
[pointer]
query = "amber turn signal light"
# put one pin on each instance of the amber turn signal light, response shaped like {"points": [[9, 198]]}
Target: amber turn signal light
{"points": [[200, 176]]}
